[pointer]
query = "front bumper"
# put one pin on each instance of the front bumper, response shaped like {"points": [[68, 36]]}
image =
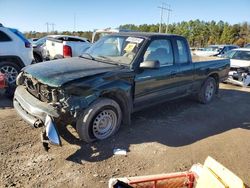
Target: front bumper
{"points": [[30, 108], [238, 78], [37, 114]]}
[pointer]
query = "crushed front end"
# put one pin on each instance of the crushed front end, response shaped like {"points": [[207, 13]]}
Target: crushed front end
{"points": [[239, 76], [42, 106]]}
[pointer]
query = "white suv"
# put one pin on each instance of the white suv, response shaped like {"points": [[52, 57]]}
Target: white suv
{"points": [[15, 53]]}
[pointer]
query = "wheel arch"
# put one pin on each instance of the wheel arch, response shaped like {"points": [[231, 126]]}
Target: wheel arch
{"points": [[215, 76], [14, 59], [124, 102]]}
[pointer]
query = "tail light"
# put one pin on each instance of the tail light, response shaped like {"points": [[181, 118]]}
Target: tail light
{"points": [[67, 52], [27, 44]]}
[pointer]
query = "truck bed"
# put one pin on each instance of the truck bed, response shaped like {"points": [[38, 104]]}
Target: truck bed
{"points": [[208, 65], [197, 59]]}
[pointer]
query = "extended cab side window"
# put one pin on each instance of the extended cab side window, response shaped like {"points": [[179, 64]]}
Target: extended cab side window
{"points": [[161, 50], [182, 51], [4, 37]]}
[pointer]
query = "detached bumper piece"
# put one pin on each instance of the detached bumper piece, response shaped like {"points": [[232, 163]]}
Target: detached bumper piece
{"points": [[37, 114], [50, 134]]}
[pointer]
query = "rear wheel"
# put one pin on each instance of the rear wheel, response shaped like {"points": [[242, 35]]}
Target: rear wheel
{"points": [[100, 121], [37, 58], [207, 91], [10, 70]]}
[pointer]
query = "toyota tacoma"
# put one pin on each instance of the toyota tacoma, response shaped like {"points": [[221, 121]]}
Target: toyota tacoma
{"points": [[120, 74]]}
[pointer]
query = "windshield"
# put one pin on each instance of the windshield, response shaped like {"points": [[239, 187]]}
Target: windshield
{"points": [[241, 55], [40, 41], [213, 49], [115, 49]]}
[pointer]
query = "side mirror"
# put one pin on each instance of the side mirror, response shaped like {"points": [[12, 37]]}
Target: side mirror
{"points": [[150, 64]]}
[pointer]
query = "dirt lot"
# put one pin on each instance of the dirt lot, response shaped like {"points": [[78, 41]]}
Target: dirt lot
{"points": [[165, 138]]}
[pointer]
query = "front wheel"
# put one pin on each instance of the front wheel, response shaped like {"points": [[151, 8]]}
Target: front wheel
{"points": [[100, 121], [207, 91]]}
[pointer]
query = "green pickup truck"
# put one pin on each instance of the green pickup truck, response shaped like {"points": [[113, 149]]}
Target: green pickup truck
{"points": [[120, 74]]}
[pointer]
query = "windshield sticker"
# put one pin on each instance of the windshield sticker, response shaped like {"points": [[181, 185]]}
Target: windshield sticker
{"points": [[130, 47], [134, 39]]}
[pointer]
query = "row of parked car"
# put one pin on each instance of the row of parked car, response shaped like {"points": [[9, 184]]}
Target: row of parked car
{"points": [[214, 50], [17, 52], [59, 46]]}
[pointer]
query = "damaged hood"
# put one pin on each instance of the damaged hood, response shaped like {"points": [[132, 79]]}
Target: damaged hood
{"points": [[58, 72]]}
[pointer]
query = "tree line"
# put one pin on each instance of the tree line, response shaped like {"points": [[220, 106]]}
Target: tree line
{"points": [[198, 33], [34, 34], [201, 33]]}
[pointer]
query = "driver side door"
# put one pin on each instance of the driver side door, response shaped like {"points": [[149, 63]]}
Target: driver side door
{"points": [[156, 85]]}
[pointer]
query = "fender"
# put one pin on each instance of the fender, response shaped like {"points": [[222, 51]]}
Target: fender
{"points": [[123, 96]]}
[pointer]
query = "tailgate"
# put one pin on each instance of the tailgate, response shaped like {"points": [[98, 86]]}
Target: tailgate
{"points": [[77, 47], [54, 48]]}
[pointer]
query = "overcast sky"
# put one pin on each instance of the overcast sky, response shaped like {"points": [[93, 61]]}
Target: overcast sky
{"points": [[32, 15]]}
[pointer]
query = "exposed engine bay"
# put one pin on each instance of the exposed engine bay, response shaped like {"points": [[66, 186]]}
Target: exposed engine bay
{"points": [[239, 76]]}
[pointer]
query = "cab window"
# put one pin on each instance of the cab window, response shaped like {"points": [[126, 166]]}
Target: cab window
{"points": [[182, 51], [161, 50]]}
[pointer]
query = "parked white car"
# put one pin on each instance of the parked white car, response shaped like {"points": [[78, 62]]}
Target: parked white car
{"points": [[239, 66], [214, 50], [66, 46], [15, 53], [247, 46]]}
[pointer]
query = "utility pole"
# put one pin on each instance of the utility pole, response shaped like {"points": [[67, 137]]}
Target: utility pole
{"points": [[47, 26], [52, 24], [164, 8], [74, 22], [169, 10]]}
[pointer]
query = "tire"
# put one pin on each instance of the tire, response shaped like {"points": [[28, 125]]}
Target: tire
{"points": [[207, 91], [37, 58], [99, 121], [11, 70]]}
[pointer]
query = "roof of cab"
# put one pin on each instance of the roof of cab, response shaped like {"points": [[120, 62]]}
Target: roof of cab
{"points": [[143, 34]]}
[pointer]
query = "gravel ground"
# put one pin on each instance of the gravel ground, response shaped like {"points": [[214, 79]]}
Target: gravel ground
{"points": [[169, 137]]}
